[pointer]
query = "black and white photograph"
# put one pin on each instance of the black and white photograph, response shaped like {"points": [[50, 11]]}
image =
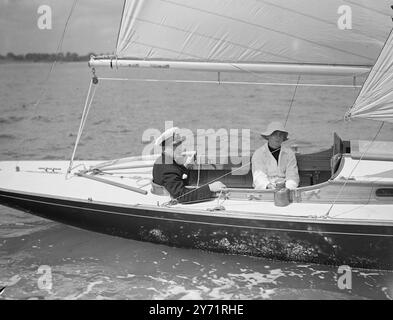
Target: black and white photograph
{"points": [[196, 155]]}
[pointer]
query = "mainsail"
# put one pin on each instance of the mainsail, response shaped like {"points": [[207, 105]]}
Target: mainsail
{"points": [[375, 100], [344, 37]]}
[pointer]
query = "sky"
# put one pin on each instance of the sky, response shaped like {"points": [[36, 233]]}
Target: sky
{"points": [[93, 26]]}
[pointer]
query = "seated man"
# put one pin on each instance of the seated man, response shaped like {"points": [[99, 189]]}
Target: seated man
{"points": [[170, 171], [273, 162]]}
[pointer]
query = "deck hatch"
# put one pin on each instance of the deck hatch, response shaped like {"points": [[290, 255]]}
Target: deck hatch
{"points": [[384, 192]]}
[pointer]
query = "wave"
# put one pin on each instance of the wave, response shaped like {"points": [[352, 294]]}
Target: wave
{"points": [[11, 120], [49, 157], [101, 121], [23, 229], [41, 119], [7, 137], [124, 130]]}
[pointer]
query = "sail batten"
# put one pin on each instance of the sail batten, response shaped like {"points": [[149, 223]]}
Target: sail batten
{"points": [[252, 31]]}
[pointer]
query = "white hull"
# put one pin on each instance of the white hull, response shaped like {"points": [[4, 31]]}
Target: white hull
{"points": [[357, 234], [37, 177]]}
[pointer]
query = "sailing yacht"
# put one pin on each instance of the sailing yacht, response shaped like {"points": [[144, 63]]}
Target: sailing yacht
{"points": [[342, 212]]}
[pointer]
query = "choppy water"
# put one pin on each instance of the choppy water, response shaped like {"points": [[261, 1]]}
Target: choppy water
{"points": [[87, 265]]}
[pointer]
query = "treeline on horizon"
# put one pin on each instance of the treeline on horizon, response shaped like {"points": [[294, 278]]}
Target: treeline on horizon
{"points": [[41, 57]]}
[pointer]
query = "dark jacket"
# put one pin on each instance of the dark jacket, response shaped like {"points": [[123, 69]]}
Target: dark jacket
{"points": [[175, 177]]}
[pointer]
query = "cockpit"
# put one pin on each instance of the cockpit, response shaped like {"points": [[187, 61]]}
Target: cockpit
{"points": [[235, 172]]}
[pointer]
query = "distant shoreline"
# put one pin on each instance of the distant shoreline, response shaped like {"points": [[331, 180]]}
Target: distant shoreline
{"points": [[45, 57], [2, 62]]}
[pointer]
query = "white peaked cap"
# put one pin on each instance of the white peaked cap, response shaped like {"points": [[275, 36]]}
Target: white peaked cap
{"points": [[170, 136]]}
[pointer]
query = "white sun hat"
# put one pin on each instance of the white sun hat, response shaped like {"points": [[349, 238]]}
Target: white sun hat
{"points": [[273, 126]]}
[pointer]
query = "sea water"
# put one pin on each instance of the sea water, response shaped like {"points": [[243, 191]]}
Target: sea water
{"points": [[87, 265]]}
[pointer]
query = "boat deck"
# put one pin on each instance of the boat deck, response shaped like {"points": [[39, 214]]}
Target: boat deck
{"points": [[48, 179]]}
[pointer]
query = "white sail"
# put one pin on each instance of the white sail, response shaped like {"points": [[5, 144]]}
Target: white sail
{"points": [[375, 100], [329, 32]]}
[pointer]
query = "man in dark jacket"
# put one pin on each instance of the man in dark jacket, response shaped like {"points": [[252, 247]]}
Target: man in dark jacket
{"points": [[170, 171]]}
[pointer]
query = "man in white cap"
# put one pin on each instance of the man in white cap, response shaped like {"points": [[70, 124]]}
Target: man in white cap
{"points": [[273, 162], [170, 170]]}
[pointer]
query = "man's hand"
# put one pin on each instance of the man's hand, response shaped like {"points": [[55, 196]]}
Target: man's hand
{"points": [[270, 186], [190, 158], [216, 186]]}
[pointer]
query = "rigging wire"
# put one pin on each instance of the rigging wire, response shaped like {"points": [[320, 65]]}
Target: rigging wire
{"points": [[257, 75], [199, 171], [59, 46], [213, 180], [86, 109], [46, 81], [293, 99]]}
